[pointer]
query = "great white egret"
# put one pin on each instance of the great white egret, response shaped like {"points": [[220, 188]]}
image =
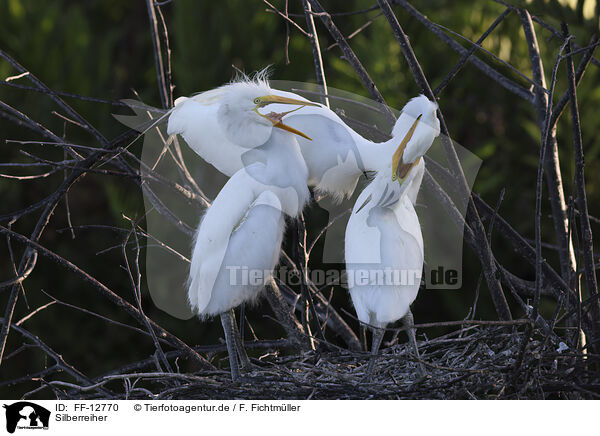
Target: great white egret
{"points": [[336, 156], [238, 241], [384, 244]]}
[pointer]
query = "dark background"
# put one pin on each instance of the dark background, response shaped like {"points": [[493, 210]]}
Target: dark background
{"points": [[104, 49]]}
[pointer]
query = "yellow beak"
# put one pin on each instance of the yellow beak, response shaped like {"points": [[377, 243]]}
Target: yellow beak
{"points": [[279, 124], [400, 169], [268, 99], [276, 118]]}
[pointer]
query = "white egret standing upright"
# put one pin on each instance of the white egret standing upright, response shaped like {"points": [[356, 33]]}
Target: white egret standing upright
{"points": [[241, 232], [384, 244], [336, 157]]}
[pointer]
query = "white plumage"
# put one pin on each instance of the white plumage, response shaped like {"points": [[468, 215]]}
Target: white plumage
{"points": [[427, 129], [243, 227], [385, 237], [383, 242], [220, 251], [241, 232]]}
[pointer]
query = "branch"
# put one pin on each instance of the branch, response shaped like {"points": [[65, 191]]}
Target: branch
{"points": [[60, 102], [60, 361], [463, 60], [584, 220], [163, 87], [107, 293], [581, 68], [540, 100], [316, 49], [551, 158], [478, 63], [351, 58]]}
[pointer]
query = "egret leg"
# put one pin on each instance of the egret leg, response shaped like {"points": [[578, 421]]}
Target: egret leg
{"points": [[408, 321], [377, 338], [239, 344], [229, 328], [242, 310]]}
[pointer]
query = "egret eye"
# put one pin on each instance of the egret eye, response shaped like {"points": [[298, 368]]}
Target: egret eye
{"points": [[257, 100]]}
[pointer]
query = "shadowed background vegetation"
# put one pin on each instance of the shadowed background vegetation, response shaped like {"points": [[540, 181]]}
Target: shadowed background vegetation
{"points": [[104, 49]]}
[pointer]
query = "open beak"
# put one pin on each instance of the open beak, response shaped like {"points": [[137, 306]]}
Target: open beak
{"points": [[400, 169], [282, 126], [275, 118]]}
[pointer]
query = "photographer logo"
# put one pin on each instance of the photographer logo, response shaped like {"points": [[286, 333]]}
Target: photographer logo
{"points": [[25, 415]]}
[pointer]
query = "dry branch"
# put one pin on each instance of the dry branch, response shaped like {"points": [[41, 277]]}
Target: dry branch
{"points": [[505, 358]]}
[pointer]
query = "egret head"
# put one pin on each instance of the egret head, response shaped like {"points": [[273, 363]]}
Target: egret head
{"points": [[419, 106], [244, 118], [418, 126]]}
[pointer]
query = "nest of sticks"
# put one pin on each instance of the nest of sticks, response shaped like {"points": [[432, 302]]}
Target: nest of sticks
{"points": [[491, 359], [473, 362]]}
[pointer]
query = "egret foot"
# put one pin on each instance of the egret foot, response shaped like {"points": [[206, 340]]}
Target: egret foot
{"points": [[228, 324], [246, 365], [377, 338], [244, 360], [408, 321]]}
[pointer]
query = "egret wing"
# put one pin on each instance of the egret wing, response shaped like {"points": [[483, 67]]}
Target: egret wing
{"points": [[332, 157], [212, 238], [196, 122]]}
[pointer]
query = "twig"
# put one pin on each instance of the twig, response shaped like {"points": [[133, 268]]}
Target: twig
{"points": [[136, 286], [350, 57], [357, 31], [77, 96], [106, 292], [84, 123], [165, 34], [35, 312], [551, 158], [584, 221], [467, 55], [287, 18], [316, 48], [163, 88]]}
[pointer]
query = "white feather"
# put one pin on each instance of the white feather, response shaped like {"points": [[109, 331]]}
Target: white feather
{"points": [[383, 237], [253, 246], [243, 227], [383, 242]]}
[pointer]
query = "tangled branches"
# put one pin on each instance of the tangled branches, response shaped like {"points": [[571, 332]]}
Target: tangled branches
{"points": [[521, 355]]}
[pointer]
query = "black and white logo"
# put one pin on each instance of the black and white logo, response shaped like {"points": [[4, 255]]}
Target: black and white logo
{"points": [[26, 415]]}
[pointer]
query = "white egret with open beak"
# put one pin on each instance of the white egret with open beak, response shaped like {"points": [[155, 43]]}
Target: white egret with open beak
{"points": [[238, 241], [222, 124], [384, 244]]}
